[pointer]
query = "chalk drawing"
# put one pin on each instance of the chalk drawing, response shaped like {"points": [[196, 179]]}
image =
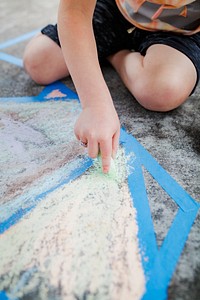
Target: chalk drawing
{"points": [[82, 240], [87, 224], [62, 220]]}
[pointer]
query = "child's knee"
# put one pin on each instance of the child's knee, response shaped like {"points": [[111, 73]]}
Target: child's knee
{"points": [[30, 65], [44, 61], [35, 60], [160, 95], [32, 62]]}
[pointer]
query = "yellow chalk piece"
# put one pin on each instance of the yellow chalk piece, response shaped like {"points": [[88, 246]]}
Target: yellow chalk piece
{"points": [[113, 170]]}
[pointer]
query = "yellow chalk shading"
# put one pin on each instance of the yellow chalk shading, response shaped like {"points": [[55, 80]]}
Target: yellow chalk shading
{"points": [[81, 238]]}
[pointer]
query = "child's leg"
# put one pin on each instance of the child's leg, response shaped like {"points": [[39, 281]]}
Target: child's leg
{"points": [[43, 60], [161, 80]]}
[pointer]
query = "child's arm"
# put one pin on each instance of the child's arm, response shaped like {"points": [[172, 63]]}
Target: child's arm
{"points": [[98, 123]]}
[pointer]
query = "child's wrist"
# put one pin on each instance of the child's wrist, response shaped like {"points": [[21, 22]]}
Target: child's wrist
{"points": [[98, 103]]}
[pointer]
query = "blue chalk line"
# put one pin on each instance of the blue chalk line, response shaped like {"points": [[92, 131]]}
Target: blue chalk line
{"points": [[11, 59], [17, 216], [42, 97], [19, 39], [158, 265], [3, 296]]}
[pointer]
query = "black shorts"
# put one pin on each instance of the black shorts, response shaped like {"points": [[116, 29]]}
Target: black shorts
{"points": [[111, 34]]}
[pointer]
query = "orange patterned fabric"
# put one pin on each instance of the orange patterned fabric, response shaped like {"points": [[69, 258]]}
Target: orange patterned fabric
{"points": [[182, 16]]}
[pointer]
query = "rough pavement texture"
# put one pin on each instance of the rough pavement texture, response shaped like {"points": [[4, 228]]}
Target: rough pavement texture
{"points": [[173, 138]]}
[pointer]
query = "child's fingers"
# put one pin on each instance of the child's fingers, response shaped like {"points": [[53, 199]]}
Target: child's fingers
{"points": [[106, 152], [115, 144], [93, 148]]}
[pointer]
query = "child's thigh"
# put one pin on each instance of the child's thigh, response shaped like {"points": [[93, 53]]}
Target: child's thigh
{"points": [[175, 53], [41, 47], [168, 78], [160, 80], [166, 63]]}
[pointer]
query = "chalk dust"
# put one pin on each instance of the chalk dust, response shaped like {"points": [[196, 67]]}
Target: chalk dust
{"points": [[35, 139]]}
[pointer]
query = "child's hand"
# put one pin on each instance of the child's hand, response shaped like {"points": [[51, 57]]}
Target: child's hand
{"points": [[98, 126]]}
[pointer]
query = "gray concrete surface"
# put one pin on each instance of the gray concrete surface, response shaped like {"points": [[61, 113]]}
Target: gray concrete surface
{"points": [[173, 138]]}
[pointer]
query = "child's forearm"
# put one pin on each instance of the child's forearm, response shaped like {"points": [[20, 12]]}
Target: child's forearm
{"points": [[98, 124], [79, 49]]}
